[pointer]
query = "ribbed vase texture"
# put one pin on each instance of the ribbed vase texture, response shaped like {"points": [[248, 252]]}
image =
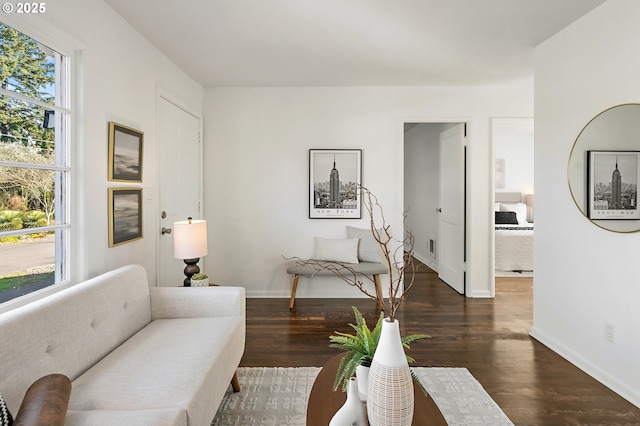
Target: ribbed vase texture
{"points": [[390, 386]]}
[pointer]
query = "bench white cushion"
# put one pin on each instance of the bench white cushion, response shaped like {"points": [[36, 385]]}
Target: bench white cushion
{"points": [[368, 248]]}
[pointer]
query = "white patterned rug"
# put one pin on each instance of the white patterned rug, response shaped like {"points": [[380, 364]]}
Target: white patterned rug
{"points": [[461, 398], [278, 397]]}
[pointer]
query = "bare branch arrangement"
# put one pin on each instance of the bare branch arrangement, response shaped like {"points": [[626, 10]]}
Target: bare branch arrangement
{"points": [[397, 256]]}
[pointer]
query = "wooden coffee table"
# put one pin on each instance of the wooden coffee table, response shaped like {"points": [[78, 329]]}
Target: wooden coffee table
{"points": [[324, 402]]}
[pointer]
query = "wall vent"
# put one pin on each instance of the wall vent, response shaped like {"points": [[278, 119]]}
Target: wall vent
{"points": [[432, 247]]}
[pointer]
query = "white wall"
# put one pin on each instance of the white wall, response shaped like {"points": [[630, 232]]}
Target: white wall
{"points": [[585, 276], [256, 171], [118, 73], [513, 142]]}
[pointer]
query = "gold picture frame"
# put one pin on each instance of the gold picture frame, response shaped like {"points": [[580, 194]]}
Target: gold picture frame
{"points": [[125, 153]]}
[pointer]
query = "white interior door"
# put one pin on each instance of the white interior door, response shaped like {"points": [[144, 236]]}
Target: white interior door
{"points": [[452, 217], [180, 182]]}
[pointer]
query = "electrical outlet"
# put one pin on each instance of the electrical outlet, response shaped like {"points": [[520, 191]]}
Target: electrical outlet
{"points": [[610, 332]]}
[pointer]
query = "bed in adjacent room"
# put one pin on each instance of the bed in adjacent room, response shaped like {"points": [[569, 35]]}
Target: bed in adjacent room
{"points": [[513, 233]]}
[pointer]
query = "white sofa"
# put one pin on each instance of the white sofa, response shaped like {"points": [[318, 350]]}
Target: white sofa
{"points": [[135, 355]]}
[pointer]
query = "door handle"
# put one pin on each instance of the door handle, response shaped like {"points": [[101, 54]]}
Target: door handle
{"points": [[166, 230], [439, 210]]}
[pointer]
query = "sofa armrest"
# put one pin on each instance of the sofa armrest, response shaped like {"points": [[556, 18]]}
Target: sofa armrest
{"points": [[45, 402], [195, 302]]}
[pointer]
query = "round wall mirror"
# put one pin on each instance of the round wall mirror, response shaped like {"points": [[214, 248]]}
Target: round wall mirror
{"points": [[604, 169]]}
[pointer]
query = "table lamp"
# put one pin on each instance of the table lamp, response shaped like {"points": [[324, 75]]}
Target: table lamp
{"points": [[190, 244], [529, 202]]}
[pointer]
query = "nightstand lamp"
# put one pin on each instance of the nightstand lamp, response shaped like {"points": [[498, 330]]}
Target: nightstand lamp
{"points": [[190, 244]]}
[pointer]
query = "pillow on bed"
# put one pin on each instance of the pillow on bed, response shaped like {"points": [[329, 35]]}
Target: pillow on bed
{"points": [[519, 208], [506, 218], [344, 250]]}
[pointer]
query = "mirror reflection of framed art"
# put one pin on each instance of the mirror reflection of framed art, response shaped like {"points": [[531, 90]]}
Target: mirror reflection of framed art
{"points": [[604, 169], [613, 184]]}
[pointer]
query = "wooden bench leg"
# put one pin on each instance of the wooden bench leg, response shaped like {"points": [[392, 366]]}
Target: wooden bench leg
{"points": [[293, 291], [376, 280], [235, 383]]}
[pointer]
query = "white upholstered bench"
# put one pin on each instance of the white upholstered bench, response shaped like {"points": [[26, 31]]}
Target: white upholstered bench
{"points": [[300, 268]]}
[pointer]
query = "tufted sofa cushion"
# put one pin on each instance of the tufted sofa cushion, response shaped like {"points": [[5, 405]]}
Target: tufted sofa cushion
{"points": [[71, 330], [155, 417]]}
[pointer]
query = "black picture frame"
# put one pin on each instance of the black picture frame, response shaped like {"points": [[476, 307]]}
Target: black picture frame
{"points": [[612, 185], [125, 153], [125, 215], [334, 178]]}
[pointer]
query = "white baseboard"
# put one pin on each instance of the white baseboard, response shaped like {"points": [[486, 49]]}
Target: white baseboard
{"points": [[429, 261], [631, 395], [481, 294], [263, 294]]}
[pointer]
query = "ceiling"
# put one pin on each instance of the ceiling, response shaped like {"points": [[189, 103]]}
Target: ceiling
{"points": [[352, 42]]}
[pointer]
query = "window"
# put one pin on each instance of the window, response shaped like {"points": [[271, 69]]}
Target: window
{"points": [[34, 165]]}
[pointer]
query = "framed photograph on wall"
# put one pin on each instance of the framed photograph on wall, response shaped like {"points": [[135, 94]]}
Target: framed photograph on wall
{"points": [[612, 182], [125, 153], [125, 215], [334, 178]]}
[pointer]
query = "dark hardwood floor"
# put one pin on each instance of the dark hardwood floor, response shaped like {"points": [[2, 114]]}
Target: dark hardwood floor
{"points": [[532, 384]]}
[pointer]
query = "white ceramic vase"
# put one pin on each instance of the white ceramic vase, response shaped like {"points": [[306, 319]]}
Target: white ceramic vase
{"points": [[362, 374], [390, 387], [352, 412]]}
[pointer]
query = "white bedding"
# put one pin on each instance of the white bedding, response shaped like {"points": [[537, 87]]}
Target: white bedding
{"points": [[514, 247]]}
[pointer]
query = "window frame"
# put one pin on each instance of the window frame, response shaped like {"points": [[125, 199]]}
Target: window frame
{"points": [[66, 50]]}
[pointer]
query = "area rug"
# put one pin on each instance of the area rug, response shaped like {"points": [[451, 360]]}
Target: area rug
{"points": [[461, 398], [278, 397], [268, 397]]}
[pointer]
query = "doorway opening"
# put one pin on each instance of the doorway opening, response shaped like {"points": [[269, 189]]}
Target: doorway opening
{"points": [[513, 231], [435, 196]]}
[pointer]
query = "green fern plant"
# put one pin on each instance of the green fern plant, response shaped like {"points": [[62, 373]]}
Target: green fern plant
{"points": [[360, 347]]}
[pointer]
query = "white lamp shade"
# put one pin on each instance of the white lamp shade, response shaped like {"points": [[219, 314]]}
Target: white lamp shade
{"points": [[190, 239]]}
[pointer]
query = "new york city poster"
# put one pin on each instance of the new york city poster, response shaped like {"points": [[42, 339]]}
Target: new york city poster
{"points": [[613, 184], [334, 177]]}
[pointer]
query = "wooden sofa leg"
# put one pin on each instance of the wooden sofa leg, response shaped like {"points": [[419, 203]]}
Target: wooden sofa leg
{"points": [[293, 291], [376, 280], [235, 383]]}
